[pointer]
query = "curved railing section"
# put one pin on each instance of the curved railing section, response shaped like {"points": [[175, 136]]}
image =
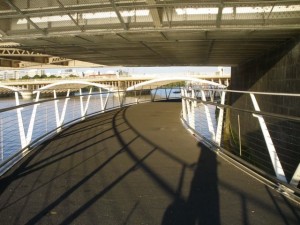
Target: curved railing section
{"points": [[24, 125], [259, 130]]}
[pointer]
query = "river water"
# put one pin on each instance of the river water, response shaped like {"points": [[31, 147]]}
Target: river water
{"points": [[46, 119]]}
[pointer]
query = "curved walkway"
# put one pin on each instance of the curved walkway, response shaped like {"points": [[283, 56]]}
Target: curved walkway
{"points": [[136, 165]]}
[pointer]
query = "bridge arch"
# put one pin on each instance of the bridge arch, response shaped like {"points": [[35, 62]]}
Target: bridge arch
{"points": [[74, 84], [8, 89], [168, 80], [4, 88]]}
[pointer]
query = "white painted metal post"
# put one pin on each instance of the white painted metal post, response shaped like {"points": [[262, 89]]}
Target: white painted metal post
{"points": [[56, 108], [240, 140], [20, 122], [106, 100], [32, 119], [296, 177], [81, 103], [271, 148], [101, 99], [62, 117], [154, 94], [220, 120], [208, 117], [170, 93], [85, 108], [183, 101], [188, 106]]}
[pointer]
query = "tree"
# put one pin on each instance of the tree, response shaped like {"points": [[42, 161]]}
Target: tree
{"points": [[36, 77], [26, 77]]}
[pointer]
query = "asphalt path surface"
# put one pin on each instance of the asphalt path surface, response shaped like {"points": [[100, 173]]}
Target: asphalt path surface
{"points": [[136, 165]]}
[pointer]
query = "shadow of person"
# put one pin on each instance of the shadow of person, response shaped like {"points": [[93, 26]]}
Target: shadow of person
{"points": [[202, 205]]}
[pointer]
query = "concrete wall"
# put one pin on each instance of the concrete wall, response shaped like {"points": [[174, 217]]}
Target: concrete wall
{"points": [[276, 71]]}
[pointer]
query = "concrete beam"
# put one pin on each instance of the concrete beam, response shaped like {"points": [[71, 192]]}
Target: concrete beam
{"points": [[12, 5], [156, 14], [29, 59], [9, 63], [69, 14], [124, 25], [219, 16]]}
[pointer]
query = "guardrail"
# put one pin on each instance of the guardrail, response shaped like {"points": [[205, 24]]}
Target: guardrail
{"points": [[268, 142], [24, 126], [271, 147]]}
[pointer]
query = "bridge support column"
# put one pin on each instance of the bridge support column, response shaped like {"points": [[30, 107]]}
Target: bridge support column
{"points": [[26, 94]]}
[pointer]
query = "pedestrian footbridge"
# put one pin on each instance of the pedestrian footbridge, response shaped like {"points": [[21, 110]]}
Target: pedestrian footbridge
{"points": [[144, 157]]}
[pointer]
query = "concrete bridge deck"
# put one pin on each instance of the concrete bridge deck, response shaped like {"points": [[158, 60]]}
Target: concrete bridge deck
{"points": [[136, 165]]}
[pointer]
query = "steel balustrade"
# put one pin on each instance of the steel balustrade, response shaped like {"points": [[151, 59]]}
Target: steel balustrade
{"points": [[203, 110], [24, 126], [272, 155]]}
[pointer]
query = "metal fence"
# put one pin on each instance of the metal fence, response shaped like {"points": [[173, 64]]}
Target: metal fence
{"points": [[260, 130], [23, 126]]}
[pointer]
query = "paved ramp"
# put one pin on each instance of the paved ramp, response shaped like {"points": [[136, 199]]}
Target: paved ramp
{"points": [[136, 165]]}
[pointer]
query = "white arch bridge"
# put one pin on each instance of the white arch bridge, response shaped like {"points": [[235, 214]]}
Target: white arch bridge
{"points": [[28, 88]]}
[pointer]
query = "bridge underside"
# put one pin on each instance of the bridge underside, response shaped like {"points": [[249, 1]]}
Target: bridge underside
{"points": [[144, 32]]}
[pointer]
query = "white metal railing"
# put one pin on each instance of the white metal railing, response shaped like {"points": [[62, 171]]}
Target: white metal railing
{"points": [[204, 110], [23, 126]]}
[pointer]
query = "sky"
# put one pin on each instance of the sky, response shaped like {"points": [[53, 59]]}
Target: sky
{"points": [[152, 70]]}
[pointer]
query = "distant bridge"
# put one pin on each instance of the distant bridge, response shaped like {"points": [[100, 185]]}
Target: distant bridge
{"points": [[27, 87]]}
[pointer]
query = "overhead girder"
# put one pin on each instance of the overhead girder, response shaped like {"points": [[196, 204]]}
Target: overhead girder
{"points": [[19, 11], [156, 13], [19, 52], [17, 58], [114, 6], [168, 33], [44, 60]]}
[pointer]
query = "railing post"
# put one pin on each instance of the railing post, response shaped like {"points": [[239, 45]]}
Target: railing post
{"points": [[153, 97], [208, 117], [119, 97], [32, 119], [188, 106], [56, 108], [106, 100], [296, 177], [20, 122], [83, 107], [271, 148], [183, 102], [220, 120], [101, 99]]}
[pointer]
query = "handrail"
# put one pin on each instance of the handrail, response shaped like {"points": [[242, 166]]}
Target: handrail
{"points": [[24, 126], [269, 146]]}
